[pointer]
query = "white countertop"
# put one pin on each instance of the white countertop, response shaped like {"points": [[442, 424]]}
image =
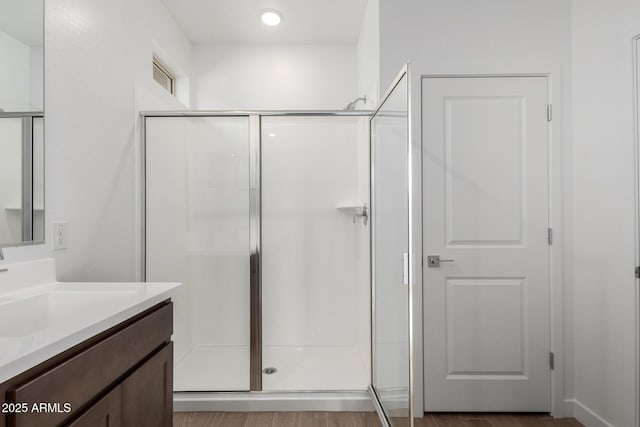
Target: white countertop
{"points": [[39, 321]]}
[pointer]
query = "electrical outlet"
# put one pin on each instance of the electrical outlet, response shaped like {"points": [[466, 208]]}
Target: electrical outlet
{"points": [[60, 235]]}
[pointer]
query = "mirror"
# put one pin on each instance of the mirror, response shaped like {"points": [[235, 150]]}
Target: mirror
{"points": [[21, 122]]}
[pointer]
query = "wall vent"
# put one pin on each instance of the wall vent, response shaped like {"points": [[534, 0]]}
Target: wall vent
{"points": [[163, 76]]}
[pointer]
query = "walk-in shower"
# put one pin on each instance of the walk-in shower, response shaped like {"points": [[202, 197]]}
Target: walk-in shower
{"points": [[254, 213], [263, 217]]}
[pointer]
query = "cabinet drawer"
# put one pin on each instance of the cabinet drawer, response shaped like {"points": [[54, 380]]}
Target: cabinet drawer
{"points": [[81, 378]]}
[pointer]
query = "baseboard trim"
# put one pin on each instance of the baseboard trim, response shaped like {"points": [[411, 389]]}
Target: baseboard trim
{"points": [[573, 408], [356, 401], [568, 408]]}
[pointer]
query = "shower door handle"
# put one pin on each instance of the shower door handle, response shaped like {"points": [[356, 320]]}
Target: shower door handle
{"points": [[405, 268], [434, 261]]}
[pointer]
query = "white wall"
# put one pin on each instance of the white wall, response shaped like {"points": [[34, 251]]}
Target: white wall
{"points": [[369, 56], [445, 36], [97, 60], [14, 74], [273, 77], [604, 210], [501, 36], [10, 180], [36, 78], [21, 75]]}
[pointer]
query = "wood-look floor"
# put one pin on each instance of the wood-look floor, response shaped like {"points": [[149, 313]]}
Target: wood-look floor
{"points": [[360, 419]]}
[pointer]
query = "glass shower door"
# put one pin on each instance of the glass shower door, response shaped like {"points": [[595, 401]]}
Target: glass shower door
{"points": [[199, 202], [390, 260]]}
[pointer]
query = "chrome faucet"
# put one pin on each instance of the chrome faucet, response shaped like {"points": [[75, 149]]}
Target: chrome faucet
{"points": [[2, 270], [361, 213], [352, 105]]}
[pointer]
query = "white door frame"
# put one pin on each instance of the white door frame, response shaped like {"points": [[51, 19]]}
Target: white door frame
{"points": [[635, 45], [555, 252]]}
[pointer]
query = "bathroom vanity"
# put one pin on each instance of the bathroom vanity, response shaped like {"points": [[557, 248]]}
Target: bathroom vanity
{"points": [[84, 354]]}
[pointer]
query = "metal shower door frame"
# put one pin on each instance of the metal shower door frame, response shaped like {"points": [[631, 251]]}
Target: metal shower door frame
{"points": [[255, 214], [27, 167], [405, 72]]}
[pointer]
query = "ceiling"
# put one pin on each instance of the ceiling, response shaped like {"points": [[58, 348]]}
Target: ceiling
{"points": [[238, 21], [23, 20]]}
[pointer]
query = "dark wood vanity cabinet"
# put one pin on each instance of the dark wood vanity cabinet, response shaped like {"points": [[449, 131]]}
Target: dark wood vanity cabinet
{"points": [[147, 395], [106, 412], [122, 377]]}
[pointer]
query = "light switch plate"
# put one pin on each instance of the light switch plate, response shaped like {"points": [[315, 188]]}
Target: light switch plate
{"points": [[60, 235]]}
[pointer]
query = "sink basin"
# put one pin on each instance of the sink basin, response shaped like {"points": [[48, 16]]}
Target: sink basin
{"points": [[33, 314], [5, 300], [20, 317]]}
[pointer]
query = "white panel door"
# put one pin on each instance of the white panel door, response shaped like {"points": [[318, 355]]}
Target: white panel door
{"points": [[486, 209]]}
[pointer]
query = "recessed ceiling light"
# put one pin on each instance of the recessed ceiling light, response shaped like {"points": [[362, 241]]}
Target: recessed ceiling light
{"points": [[270, 17]]}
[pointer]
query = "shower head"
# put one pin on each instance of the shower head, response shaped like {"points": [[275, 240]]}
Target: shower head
{"points": [[352, 105]]}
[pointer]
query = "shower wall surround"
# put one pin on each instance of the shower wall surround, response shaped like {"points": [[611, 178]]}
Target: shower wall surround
{"points": [[314, 299]]}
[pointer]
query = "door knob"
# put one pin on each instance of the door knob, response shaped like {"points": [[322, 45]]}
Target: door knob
{"points": [[434, 261]]}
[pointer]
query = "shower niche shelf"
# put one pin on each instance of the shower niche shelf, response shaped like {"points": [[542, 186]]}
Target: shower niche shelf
{"points": [[357, 210], [351, 207]]}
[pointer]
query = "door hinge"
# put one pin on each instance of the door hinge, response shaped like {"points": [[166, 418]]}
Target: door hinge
{"points": [[637, 272], [549, 112], [550, 235], [551, 361]]}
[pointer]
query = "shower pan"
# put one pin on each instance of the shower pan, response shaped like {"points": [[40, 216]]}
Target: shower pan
{"points": [[263, 217]]}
